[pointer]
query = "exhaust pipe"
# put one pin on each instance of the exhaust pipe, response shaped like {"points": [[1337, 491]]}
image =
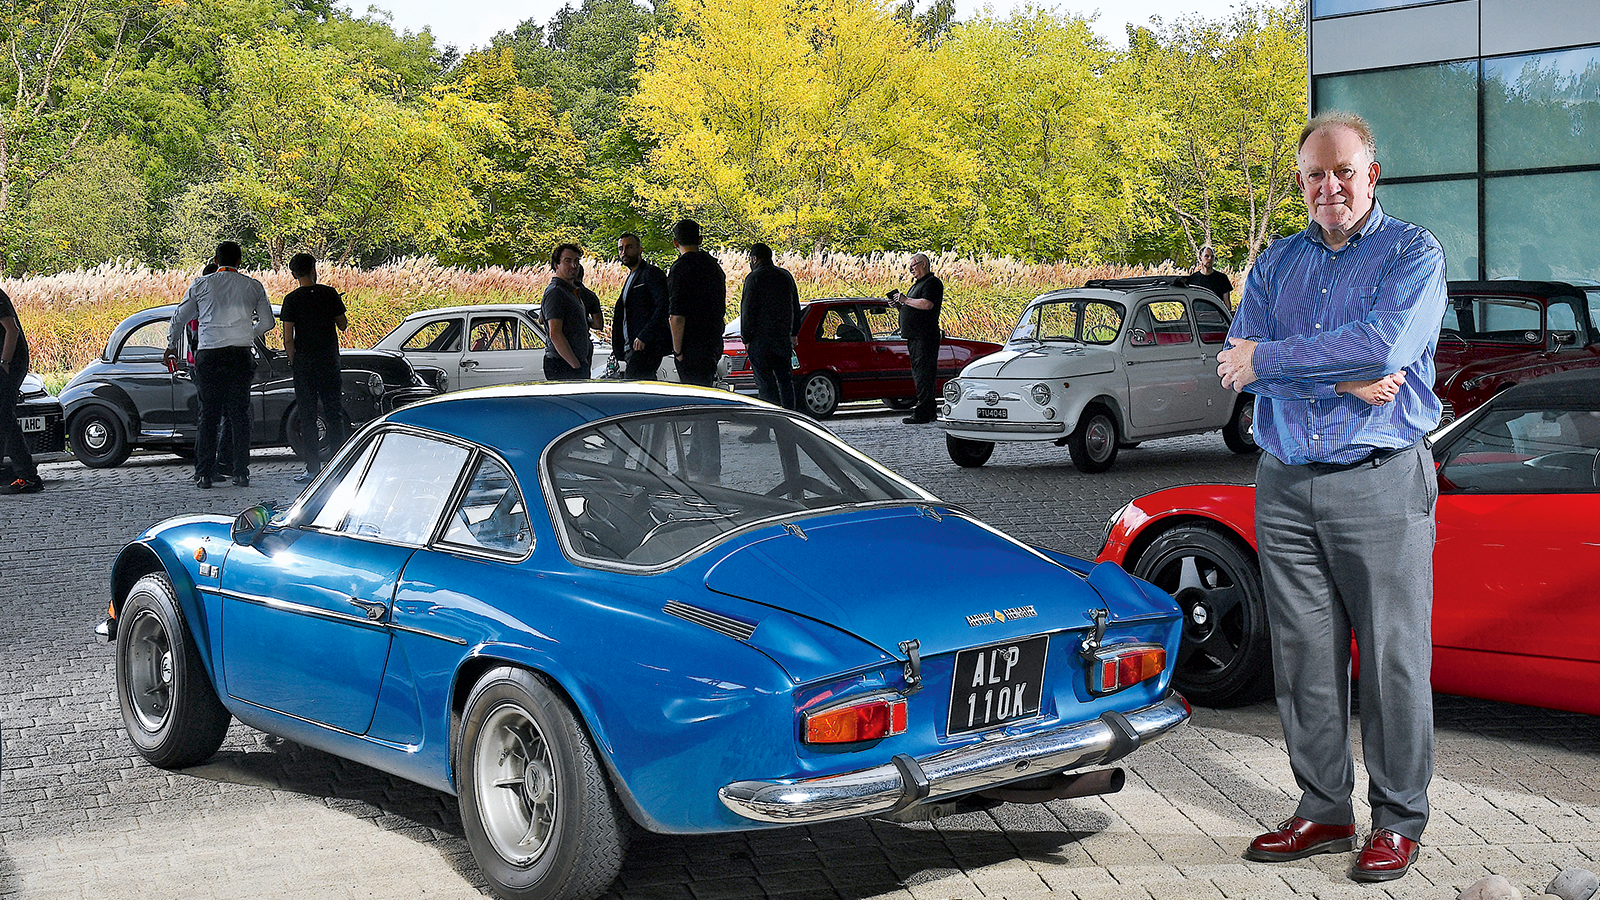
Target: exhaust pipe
{"points": [[1061, 786]]}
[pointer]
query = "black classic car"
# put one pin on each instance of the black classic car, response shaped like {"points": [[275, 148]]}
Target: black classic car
{"points": [[127, 398]]}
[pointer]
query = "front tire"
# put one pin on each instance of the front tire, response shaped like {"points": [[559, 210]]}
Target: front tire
{"points": [[1240, 432], [168, 705], [1093, 444], [1225, 658], [968, 454], [98, 439], [539, 816], [900, 404], [820, 394]]}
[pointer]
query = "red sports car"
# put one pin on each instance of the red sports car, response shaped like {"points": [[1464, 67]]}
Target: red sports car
{"points": [[851, 349], [1500, 333], [1516, 613]]}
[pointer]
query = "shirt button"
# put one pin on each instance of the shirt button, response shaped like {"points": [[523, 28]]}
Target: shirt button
{"points": [[1324, 290], [1316, 437]]}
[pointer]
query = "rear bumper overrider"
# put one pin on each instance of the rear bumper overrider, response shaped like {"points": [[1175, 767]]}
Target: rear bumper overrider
{"points": [[905, 782]]}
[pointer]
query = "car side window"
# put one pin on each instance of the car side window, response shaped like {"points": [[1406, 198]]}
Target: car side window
{"points": [[1212, 322], [841, 323], [1561, 318], [491, 514], [146, 343], [438, 336], [530, 338], [404, 489], [1167, 321], [882, 323], [1527, 451], [492, 335]]}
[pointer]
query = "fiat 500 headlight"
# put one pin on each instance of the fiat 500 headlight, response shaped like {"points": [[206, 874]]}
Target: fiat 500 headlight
{"points": [[952, 392], [1041, 393]]}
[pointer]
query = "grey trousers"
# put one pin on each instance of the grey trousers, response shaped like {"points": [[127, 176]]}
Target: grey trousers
{"points": [[1345, 549]]}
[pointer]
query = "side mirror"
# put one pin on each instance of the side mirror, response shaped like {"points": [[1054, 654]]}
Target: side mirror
{"points": [[251, 523], [1555, 340]]}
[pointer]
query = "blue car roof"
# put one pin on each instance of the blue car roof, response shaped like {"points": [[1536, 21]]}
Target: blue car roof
{"points": [[521, 420]]}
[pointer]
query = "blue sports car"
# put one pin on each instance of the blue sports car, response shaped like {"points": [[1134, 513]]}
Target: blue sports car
{"points": [[575, 606]]}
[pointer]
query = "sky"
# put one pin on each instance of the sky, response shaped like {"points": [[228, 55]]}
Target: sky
{"points": [[473, 23]]}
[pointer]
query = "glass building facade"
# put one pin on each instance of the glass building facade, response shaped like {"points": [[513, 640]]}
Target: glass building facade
{"points": [[1487, 116]]}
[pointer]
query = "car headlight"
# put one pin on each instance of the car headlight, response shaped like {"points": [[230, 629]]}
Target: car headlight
{"points": [[952, 392], [1041, 393], [375, 384]]}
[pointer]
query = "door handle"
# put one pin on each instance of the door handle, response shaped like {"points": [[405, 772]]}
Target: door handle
{"points": [[374, 608], [469, 364]]}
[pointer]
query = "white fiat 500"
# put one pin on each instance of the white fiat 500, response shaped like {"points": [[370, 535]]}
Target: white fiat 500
{"points": [[1098, 368]]}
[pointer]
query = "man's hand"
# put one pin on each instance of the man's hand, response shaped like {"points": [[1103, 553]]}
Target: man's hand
{"points": [[1375, 391], [170, 358], [1233, 364], [638, 345]]}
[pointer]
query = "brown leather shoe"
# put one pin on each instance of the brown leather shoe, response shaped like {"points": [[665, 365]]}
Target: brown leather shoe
{"points": [[1385, 857], [1299, 838]]}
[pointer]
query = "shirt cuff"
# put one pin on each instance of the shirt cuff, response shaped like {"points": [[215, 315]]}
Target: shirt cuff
{"points": [[1266, 360]]}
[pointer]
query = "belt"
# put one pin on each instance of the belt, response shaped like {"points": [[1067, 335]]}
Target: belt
{"points": [[1377, 457]]}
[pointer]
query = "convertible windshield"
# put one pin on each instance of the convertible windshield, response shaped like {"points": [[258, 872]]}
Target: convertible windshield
{"points": [[648, 490], [1075, 321]]}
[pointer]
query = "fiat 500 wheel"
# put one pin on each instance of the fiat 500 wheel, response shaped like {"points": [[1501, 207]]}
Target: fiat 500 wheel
{"points": [[1240, 432], [1093, 444], [968, 454], [171, 711], [539, 816], [1225, 658], [820, 394]]}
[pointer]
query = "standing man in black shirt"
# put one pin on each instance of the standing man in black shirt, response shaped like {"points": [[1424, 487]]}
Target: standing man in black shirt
{"points": [[1208, 277], [919, 325], [641, 320], [13, 366], [697, 307], [313, 316], [769, 320], [567, 356]]}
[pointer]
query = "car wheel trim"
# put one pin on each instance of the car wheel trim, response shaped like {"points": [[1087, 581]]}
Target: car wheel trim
{"points": [[1210, 605], [1100, 438], [148, 669], [821, 395], [95, 435], [517, 786]]}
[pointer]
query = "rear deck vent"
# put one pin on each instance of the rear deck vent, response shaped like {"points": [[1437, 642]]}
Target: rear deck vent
{"points": [[734, 628]]}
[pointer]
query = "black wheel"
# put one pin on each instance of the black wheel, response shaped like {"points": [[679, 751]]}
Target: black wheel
{"points": [[1240, 432], [820, 394], [539, 816], [1226, 655], [98, 439], [1093, 444], [900, 404], [168, 705], [968, 454], [291, 430]]}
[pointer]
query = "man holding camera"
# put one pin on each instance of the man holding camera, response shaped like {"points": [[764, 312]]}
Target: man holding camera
{"points": [[919, 325]]}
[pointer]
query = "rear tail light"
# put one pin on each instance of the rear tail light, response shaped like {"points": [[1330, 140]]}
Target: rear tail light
{"points": [[867, 720], [1118, 666]]}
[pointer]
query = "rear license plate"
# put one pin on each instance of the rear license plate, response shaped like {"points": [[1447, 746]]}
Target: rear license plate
{"points": [[32, 423], [997, 684], [992, 412]]}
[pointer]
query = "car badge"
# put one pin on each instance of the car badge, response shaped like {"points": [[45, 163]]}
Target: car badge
{"points": [[1002, 615], [992, 398]]}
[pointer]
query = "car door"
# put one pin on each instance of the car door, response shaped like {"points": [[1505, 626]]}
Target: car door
{"points": [[306, 609], [495, 351], [156, 392], [1163, 359], [437, 343], [1211, 325], [891, 359], [844, 345]]}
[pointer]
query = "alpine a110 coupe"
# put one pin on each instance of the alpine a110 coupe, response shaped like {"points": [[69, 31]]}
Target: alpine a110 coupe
{"points": [[573, 607]]}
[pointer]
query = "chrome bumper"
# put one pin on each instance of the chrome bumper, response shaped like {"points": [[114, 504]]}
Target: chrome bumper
{"points": [[1003, 425], [905, 781]]}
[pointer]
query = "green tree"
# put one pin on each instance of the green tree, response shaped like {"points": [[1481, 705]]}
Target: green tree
{"points": [[87, 212]]}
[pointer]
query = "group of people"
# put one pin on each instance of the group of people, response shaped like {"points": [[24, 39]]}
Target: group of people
{"points": [[228, 311]]}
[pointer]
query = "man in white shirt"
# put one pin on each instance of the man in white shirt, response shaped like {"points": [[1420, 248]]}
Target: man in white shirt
{"points": [[233, 310]]}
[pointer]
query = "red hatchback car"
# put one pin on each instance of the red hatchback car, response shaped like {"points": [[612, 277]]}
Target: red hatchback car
{"points": [[1500, 333], [851, 349], [1516, 614]]}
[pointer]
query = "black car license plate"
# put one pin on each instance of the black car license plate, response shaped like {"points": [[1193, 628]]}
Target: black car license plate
{"points": [[992, 412], [32, 423], [997, 684]]}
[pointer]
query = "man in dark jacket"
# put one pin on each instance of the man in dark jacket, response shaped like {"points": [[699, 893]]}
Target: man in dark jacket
{"points": [[769, 321], [919, 324], [640, 324], [313, 315], [697, 307], [13, 366]]}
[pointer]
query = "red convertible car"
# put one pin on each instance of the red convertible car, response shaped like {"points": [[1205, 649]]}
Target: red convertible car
{"points": [[1499, 333], [1516, 613], [851, 349]]}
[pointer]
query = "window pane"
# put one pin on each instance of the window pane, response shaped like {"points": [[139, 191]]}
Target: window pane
{"points": [[1542, 110], [441, 336], [1324, 8], [1212, 320], [404, 489], [1519, 451], [1449, 209], [491, 516], [490, 335], [1540, 227], [148, 342], [1425, 119], [530, 338]]}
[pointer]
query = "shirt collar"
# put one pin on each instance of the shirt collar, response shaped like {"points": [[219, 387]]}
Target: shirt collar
{"points": [[1373, 224]]}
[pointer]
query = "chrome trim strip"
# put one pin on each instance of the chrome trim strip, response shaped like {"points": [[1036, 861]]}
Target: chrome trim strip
{"points": [[315, 612], [962, 770], [734, 628], [461, 642], [1003, 425]]}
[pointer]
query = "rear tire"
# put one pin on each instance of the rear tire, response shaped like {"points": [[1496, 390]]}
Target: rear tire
{"points": [[1093, 444], [900, 404], [1225, 657], [539, 816], [819, 396], [168, 705], [1240, 432], [968, 454]]}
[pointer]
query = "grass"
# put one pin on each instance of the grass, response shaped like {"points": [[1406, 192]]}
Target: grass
{"points": [[68, 317]]}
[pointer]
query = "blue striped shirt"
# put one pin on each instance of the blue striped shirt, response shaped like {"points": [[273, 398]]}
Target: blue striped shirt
{"points": [[1322, 316]]}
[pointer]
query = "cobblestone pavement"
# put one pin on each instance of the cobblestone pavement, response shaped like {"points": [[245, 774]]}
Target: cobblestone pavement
{"points": [[82, 816]]}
